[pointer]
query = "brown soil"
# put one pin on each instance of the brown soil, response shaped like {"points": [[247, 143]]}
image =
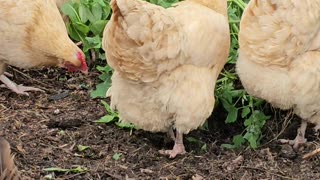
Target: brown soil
{"points": [[45, 130]]}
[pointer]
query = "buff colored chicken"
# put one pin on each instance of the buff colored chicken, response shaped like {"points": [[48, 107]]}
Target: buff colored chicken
{"points": [[8, 170], [166, 63], [33, 34], [279, 57]]}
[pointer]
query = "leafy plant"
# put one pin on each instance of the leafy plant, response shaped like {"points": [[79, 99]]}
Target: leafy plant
{"points": [[231, 94], [87, 20], [110, 117], [113, 116], [102, 87]]}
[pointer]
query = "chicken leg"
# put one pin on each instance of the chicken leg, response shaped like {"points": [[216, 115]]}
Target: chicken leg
{"points": [[300, 139], [19, 89], [171, 135], [317, 128], [178, 147]]}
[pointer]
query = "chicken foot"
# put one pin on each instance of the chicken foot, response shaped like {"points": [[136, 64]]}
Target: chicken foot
{"points": [[300, 138], [316, 128], [19, 89], [178, 147], [8, 74]]}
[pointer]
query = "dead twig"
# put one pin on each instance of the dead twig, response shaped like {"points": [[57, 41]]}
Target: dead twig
{"points": [[285, 124], [79, 43], [93, 55], [311, 154]]}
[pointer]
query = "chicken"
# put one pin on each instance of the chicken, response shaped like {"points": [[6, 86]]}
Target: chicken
{"points": [[35, 38], [279, 57], [166, 63], [8, 170]]}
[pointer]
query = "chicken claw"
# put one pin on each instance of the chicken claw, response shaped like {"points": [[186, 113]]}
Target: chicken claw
{"points": [[19, 89], [316, 128], [300, 139], [178, 147], [8, 74]]}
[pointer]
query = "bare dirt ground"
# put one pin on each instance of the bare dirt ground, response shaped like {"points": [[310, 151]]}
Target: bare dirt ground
{"points": [[45, 130]]}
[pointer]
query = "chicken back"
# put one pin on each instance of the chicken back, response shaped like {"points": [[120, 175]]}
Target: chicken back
{"points": [[166, 63], [279, 56]]}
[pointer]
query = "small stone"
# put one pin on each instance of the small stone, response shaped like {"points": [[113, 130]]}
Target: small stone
{"points": [[57, 111]]}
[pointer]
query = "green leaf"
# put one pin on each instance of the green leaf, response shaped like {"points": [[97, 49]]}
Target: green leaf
{"points": [[106, 106], [124, 125], [83, 13], [81, 27], [249, 121], [62, 133], [97, 11], [97, 27], [106, 119], [102, 3], [204, 147], [106, 69], [86, 2], [245, 112], [193, 140], [101, 89], [228, 146], [226, 104], [260, 116], [117, 156], [106, 12], [92, 43], [232, 115], [238, 140], [74, 34], [70, 11], [252, 139], [82, 148]]}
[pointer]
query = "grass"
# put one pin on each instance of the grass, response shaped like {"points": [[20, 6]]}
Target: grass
{"points": [[87, 21]]}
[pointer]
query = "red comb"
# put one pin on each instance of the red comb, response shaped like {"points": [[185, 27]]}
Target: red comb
{"points": [[84, 66]]}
